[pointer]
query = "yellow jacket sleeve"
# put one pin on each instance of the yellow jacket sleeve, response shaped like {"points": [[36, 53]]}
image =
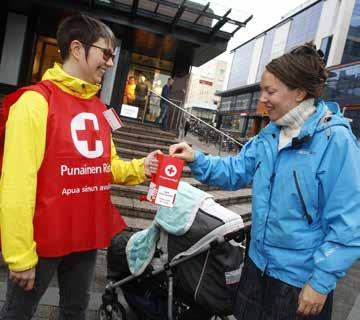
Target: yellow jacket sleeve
{"points": [[126, 172], [24, 148]]}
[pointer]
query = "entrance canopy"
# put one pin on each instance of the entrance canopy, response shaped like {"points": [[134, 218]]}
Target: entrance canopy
{"points": [[204, 28]]}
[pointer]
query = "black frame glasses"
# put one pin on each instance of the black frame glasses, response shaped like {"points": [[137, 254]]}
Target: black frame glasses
{"points": [[107, 52]]}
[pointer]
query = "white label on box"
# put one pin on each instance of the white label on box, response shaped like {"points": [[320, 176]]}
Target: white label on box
{"points": [[165, 197], [129, 111], [113, 119], [151, 195]]}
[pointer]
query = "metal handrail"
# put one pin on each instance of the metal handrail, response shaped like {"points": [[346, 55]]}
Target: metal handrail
{"points": [[198, 119]]}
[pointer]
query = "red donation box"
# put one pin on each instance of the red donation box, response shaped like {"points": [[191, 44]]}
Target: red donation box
{"points": [[164, 183]]}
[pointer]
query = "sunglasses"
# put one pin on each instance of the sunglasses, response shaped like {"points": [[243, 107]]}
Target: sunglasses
{"points": [[107, 52]]}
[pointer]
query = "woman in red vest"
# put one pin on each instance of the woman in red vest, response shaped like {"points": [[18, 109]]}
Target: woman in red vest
{"points": [[58, 132]]}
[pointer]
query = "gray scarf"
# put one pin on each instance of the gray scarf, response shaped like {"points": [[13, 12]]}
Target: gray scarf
{"points": [[292, 121]]}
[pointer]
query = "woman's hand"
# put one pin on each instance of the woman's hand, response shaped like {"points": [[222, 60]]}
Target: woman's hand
{"points": [[24, 279], [151, 163], [310, 302], [183, 151]]}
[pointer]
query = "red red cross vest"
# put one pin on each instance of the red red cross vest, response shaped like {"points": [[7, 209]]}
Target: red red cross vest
{"points": [[73, 207]]}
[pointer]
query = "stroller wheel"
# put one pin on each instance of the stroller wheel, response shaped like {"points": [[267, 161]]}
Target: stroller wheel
{"points": [[113, 311]]}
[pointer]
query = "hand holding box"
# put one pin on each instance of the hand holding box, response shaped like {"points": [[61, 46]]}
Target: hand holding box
{"points": [[164, 183]]}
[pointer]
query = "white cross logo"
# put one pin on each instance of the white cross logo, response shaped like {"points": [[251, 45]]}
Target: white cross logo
{"points": [[171, 170], [85, 134]]}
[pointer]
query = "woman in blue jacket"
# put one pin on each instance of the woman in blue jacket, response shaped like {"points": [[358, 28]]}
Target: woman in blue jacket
{"points": [[305, 175]]}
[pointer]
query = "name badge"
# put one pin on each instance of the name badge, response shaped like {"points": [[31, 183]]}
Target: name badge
{"points": [[113, 119]]}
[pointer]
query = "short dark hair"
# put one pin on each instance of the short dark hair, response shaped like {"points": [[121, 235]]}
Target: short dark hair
{"points": [[85, 29], [301, 68]]}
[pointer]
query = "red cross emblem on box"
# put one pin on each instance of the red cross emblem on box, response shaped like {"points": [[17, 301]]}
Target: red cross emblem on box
{"points": [[164, 183]]}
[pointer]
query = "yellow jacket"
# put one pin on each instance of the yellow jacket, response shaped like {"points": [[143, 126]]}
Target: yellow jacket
{"points": [[23, 154]]}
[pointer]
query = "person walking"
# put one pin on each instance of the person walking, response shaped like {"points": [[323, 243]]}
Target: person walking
{"points": [[305, 179], [68, 160], [163, 118]]}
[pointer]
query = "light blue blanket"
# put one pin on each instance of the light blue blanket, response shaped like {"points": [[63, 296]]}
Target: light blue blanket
{"points": [[177, 220]]}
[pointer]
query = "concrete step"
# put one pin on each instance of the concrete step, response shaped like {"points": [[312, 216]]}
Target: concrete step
{"points": [[147, 130], [139, 146], [139, 220], [225, 198], [191, 181], [139, 214], [128, 136]]}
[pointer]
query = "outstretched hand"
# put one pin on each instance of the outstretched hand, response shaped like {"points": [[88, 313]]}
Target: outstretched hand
{"points": [[182, 151], [151, 163], [24, 279], [310, 302]]}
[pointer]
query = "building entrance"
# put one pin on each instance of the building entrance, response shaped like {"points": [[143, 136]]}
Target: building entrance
{"points": [[145, 80]]}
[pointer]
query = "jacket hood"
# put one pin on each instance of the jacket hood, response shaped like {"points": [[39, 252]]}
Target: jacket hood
{"points": [[70, 84]]}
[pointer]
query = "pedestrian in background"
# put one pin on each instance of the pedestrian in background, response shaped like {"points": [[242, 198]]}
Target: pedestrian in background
{"points": [[129, 94], [68, 160], [305, 176], [186, 127], [163, 118], [141, 93]]}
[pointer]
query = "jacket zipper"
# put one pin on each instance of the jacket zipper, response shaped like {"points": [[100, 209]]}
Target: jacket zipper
{"points": [[272, 178], [306, 213]]}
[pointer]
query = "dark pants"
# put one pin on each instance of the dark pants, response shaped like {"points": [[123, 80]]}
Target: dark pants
{"points": [[75, 272], [163, 118], [261, 297]]}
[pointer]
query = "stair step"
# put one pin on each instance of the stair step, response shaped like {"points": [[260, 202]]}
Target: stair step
{"points": [[193, 182], [147, 130], [128, 136], [139, 146], [225, 198], [133, 207], [139, 215]]}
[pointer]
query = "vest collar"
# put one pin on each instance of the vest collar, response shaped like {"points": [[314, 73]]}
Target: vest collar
{"points": [[70, 84]]}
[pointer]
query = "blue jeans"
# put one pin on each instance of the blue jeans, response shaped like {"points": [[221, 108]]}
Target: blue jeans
{"points": [[75, 273], [163, 117]]}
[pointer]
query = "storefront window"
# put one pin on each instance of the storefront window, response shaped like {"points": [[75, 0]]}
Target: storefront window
{"points": [[343, 85], [233, 122], [254, 100], [145, 80], [242, 102], [225, 103]]}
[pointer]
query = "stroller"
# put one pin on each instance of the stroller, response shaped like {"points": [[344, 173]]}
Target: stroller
{"points": [[185, 266]]}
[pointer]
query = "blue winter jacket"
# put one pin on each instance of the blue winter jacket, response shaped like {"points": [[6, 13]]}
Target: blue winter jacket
{"points": [[305, 198]]}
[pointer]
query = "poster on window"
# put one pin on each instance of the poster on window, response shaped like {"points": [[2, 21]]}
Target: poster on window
{"points": [[129, 111]]}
